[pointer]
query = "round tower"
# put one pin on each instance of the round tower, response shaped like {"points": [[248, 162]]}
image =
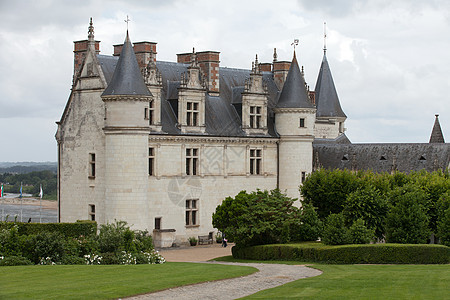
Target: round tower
{"points": [[294, 123], [126, 142]]}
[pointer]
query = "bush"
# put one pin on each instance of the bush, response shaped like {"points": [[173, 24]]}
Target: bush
{"points": [[111, 237], [48, 244], [349, 254], [143, 241], [9, 241], [407, 221], [359, 233], [443, 224], [14, 261], [308, 227], [335, 232]]}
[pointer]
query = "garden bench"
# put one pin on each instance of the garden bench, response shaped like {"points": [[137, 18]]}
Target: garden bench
{"points": [[205, 239]]}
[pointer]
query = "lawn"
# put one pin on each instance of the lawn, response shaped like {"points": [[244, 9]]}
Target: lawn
{"points": [[368, 282], [106, 282]]}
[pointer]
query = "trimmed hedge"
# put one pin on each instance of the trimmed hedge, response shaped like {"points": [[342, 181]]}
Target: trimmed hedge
{"points": [[79, 228], [349, 254]]}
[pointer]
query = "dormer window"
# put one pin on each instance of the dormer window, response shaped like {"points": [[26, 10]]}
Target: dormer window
{"points": [[192, 112], [255, 116]]}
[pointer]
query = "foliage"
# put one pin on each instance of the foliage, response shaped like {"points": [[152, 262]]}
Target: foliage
{"points": [[256, 218], [368, 204], [192, 241], [335, 232], [46, 245], [307, 227], [407, 221], [14, 261], [348, 254], [359, 233], [79, 228], [327, 190], [443, 224]]}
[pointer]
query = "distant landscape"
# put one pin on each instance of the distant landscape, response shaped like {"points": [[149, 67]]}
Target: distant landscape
{"points": [[31, 175]]}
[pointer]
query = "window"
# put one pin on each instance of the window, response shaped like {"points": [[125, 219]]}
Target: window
{"points": [[146, 113], [191, 161], [191, 212], [303, 176], [192, 114], [91, 165], [157, 223], [302, 122], [255, 161], [92, 212], [151, 113], [151, 161], [255, 117]]}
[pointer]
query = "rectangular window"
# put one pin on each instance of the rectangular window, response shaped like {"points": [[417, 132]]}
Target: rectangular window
{"points": [[157, 223], [92, 212], [303, 176], [151, 113], [191, 212], [146, 113], [255, 117], [255, 161], [192, 112], [302, 122], [192, 161], [151, 161], [91, 165]]}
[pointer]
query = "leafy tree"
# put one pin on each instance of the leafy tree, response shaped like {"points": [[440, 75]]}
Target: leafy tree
{"points": [[443, 224], [327, 190], [308, 226], [256, 218], [368, 204], [335, 232], [407, 221], [359, 233]]}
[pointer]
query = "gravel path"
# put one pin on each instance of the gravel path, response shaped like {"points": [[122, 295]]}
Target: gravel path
{"points": [[269, 276]]}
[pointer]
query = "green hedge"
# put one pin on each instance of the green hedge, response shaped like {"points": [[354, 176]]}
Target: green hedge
{"points": [[349, 254], [79, 228]]}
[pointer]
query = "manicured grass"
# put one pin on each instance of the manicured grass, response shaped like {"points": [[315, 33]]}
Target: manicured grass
{"points": [[106, 282]]}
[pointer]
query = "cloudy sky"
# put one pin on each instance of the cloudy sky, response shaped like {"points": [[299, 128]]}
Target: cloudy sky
{"points": [[390, 59]]}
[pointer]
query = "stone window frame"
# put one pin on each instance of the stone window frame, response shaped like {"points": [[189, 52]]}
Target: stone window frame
{"points": [[192, 113], [158, 222], [151, 112], [255, 116], [151, 161], [302, 123], [191, 216], [92, 170], [91, 212], [255, 161], [192, 156]]}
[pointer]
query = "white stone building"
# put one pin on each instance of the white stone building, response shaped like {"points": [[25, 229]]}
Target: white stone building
{"points": [[161, 144]]}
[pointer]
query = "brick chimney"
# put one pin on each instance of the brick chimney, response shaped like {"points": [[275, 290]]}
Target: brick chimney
{"points": [[265, 67], [184, 58], [80, 49], [280, 71], [208, 61]]}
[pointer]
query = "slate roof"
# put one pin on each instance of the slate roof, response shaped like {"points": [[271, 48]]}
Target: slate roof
{"points": [[294, 94], [127, 78], [327, 100], [436, 133], [382, 157]]}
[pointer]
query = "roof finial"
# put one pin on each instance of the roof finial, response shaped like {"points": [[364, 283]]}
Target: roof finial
{"points": [[324, 38], [295, 43], [91, 31], [127, 21], [275, 55]]}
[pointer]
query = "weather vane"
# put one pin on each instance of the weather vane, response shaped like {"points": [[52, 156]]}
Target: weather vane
{"points": [[295, 43], [127, 21]]}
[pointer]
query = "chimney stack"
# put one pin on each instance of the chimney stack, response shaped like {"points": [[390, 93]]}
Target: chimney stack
{"points": [[280, 71], [80, 49]]}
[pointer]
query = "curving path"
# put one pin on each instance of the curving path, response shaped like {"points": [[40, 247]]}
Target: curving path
{"points": [[269, 276]]}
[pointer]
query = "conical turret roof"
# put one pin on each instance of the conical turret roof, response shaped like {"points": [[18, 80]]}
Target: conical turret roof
{"points": [[294, 94], [327, 100], [436, 133], [127, 78]]}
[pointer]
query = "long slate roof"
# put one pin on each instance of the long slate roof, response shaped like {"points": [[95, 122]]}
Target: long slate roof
{"points": [[382, 157], [327, 100], [127, 78], [294, 94]]}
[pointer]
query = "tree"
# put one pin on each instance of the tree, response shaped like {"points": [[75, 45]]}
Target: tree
{"points": [[308, 226], [443, 223], [368, 204], [335, 232], [256, 218], [407, 221], [327, 190]]}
